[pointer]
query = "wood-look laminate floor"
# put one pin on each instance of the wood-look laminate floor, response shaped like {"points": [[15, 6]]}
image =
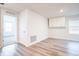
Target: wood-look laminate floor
{"points": [[49, 47]]}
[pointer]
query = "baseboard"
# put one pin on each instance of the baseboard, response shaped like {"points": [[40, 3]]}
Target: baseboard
{"points": [[32, 43], [63, 39], [36, 42]]}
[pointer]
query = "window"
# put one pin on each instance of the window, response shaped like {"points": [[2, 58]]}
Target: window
{"points": [[57, 22], [74, 26], [9, 25]]}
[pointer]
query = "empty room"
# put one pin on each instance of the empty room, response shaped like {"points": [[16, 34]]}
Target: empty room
{"points": [[39, 29]]}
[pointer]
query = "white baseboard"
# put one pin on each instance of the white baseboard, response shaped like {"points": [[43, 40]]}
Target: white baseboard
{"points": [[63, 39], [36, 42]]}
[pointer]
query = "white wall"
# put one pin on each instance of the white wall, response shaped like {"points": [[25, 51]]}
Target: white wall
{"points": [[0, 29], [30, 24], [62, 33], [23, 30], [37, 26]]}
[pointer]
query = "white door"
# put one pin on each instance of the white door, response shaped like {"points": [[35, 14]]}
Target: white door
{"points": [[9, 29]]}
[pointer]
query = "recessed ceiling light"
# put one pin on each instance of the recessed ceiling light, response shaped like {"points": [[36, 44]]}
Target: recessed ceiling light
{"points": [[61, 10]]}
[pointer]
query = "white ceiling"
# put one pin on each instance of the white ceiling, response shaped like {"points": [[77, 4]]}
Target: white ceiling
{"points": [[46, 9]]}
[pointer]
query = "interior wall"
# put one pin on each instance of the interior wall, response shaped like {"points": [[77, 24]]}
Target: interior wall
{"points": [[37, 26], [32, 24], [63, 33], [23, 33], [0, 30]]}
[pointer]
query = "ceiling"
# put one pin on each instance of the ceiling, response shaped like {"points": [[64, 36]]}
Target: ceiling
{"points": [[46, 9]]}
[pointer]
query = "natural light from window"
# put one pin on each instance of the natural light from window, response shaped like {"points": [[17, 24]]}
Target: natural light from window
{"points": [[73, 26]]}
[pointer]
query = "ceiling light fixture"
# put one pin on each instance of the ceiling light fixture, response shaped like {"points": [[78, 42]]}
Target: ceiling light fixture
{"points": [[61, 10]]}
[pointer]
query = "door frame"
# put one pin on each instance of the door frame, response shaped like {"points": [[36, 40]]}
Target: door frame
{"points": [[1, 29]]}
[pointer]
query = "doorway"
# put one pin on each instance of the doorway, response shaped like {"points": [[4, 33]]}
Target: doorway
{"points": [[9, 29]]}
